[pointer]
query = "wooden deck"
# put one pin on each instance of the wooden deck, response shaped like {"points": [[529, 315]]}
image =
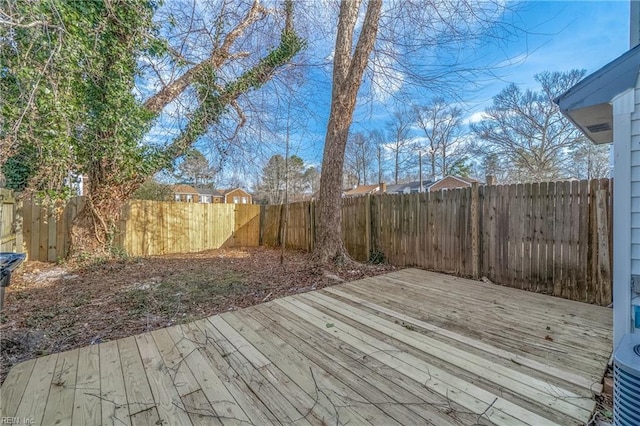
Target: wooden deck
{"points": [[410, 347]]}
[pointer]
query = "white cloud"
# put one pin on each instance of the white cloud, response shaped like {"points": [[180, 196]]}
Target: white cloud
{"points": [[476, 117], [387, 80]]}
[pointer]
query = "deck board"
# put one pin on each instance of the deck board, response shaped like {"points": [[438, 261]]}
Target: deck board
{"points": [[34, 399], [14, 386], [115, 410], [409, 347], [500, 375], [87, 403], [59, 409]]}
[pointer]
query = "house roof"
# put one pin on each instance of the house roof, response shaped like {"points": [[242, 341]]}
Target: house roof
{"points": [[210, 191], [588, 103], [466, 179], [362, 189], [410, 186], [226, 191], [183, 189]]}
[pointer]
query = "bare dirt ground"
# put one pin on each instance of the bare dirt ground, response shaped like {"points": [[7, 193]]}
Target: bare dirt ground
{"points": [[53, 308]]}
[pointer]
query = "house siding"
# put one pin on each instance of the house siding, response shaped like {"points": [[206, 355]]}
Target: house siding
{"points": [[635, 184], [237, 193]]}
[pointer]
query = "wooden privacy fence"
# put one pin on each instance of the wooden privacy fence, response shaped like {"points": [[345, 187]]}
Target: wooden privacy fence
{"points": [[146, 227], [546, 237], [551, 237]]}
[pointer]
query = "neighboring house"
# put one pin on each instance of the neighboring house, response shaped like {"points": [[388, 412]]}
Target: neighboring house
{"points": [[209, 195], [452, 182], [448, 182], [189, 194], [409, 187], [358, 191], [78, 183], [185, 194], [236, 196]]}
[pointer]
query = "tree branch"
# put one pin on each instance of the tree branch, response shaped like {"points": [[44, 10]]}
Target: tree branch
{"points": [[212, 108], [167, 94], [366, 40]]}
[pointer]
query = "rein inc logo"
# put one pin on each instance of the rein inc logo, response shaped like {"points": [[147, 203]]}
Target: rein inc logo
{"points": [[17, 421]]}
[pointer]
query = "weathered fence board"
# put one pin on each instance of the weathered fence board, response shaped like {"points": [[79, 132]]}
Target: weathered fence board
{"points": [[551, 237]]}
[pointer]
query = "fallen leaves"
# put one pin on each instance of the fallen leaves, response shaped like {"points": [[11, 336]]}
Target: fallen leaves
{"points": [[52, 308]]}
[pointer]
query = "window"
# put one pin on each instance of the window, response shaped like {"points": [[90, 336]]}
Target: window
{"points": [[244, 200], [236, 200], [189, 198], [177, 197], [204, 199]]}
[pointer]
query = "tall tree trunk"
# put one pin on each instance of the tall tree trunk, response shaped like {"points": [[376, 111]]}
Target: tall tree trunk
{"points": [[94, 230], [397, 166], [348, 69], [379, 164]]}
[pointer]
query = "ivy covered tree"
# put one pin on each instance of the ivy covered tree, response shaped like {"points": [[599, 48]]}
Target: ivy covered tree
{"points": [[84, 82]]}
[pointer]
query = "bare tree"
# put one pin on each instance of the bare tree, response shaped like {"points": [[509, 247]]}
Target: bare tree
{"points": [[401, 144], [349, 63], [446, 149], [527, 132], [359, 158], [378, 140], [589, 161]]}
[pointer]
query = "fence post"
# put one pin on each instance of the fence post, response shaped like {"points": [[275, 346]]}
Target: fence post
{"points": [[262, 224], [475, 228], [367, 222], [604, 272]]}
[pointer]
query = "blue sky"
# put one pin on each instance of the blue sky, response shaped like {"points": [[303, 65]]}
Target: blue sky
{"points": [[549, 36], [555, 36]]}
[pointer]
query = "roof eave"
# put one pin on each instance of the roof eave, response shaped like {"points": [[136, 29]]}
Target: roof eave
{"points": [[588, 103]]}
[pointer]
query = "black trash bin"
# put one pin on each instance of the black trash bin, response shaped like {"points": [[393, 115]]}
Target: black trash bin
{"points": [[8, 263]]}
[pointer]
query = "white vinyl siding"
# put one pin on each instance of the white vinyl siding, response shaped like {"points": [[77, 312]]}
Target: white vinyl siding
{"points": [[626, 211], [635, 185]]}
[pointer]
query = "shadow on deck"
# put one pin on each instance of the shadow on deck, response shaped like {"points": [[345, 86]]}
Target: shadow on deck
{"points": [[409, 347]]}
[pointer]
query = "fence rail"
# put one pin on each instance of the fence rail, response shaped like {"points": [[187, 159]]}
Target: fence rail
{"points": [[551, 237]]}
